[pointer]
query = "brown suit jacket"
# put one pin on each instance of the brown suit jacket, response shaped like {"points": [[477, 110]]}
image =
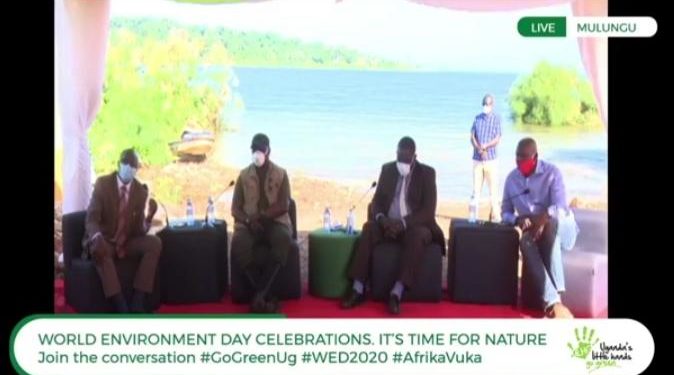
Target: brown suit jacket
{"points": [[104, 204], [422, 197]]}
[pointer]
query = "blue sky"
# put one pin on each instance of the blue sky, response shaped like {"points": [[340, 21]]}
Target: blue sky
{"points": [[435, 39]]}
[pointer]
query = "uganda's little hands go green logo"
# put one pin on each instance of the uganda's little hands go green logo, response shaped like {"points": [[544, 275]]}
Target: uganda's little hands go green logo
{"points": [[584, 343], [608, 355]]}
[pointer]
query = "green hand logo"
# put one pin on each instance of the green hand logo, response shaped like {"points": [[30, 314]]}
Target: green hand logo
{"points": [[584, 343]]}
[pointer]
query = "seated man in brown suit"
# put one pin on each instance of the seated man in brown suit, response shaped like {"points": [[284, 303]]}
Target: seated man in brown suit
{"points": [[403, 209], [116, 226], [260, 209]]}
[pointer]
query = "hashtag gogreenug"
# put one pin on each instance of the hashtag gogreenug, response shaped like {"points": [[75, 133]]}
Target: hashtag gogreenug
{"points": [[584, 343]]}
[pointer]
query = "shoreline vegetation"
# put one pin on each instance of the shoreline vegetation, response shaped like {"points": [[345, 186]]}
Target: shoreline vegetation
{"points": [[260, 49], [163, 76]]}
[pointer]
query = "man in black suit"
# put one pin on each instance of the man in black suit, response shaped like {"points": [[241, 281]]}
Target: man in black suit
{"points": [[402, 210]]}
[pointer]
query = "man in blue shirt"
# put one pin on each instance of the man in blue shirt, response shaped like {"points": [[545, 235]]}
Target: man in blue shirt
{"points": [[485, 135], [534, 198]]}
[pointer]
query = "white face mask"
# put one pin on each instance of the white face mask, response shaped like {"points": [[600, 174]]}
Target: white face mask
{"points": [[126, 173], [403, 168], [486, 109], [258, 158]]}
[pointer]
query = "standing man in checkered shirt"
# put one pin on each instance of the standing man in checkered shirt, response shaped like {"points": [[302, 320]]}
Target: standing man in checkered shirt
{"points": [[485, 136]]}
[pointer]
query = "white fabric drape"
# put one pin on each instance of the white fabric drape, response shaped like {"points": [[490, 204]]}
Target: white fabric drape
{"points": [[81, 33]]}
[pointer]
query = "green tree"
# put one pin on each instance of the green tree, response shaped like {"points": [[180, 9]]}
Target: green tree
{"points": [[553, 97], [260, 49], [157, 84]]}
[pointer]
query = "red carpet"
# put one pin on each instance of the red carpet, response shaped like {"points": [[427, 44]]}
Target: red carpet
{"points": [[313, 307]]}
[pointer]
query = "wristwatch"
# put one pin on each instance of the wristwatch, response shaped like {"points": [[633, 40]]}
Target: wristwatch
{"points": [[552, 211]]}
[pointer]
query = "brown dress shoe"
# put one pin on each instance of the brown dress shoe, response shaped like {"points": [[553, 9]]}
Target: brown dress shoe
{"points": [[558, 311]]}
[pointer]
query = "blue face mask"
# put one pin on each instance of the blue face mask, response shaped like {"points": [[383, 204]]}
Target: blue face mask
{"points": [[126, 173]]}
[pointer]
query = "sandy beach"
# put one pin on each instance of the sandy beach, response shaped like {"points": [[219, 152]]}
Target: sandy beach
{"points": [[201, 180]]}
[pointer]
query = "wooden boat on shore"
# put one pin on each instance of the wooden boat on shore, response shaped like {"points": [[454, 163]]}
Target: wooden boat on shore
{"points": [[193, 145]]}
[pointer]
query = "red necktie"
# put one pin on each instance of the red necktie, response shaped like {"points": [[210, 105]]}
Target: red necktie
{"points": [[122, 220]]}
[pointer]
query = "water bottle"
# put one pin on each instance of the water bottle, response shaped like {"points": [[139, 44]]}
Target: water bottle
{"points": [[210, 212], [472, 210], [190, 212], [327, 219], [350, 222]]}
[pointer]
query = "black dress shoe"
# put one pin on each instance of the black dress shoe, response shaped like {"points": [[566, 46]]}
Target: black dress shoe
{"points": [[137, 303], [272, 306], [394, 304], [352, 299], [120, 303], [258, 304]]}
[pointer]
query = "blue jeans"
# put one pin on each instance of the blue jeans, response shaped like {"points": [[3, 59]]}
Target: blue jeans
{"points": [[543, 260]]}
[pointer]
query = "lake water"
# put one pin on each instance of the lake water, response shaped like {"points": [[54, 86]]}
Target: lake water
{"points": [[343, 125]]}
